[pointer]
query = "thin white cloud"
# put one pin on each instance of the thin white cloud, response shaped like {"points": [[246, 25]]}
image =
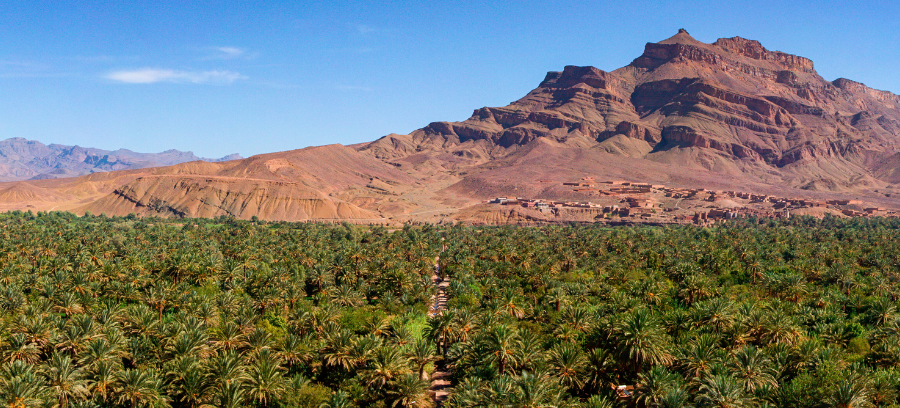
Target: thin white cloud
{"points": [[153, 75], [228, 53]]}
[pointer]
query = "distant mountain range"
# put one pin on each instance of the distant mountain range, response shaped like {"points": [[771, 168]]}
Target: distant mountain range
{"points": [[22, 159], [730, 116]]}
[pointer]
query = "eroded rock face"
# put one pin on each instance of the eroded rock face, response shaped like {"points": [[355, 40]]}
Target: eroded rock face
{"points": [[753, 49], [859, 88], [733, 97], [208, 196]]}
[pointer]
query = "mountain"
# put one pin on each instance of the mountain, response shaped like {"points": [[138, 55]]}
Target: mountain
{"points": [[732, 107], [727, 116], [22, 159]]}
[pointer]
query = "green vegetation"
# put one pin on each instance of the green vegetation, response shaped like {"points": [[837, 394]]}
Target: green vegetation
{"points": [[124, 312], [109, 312]]}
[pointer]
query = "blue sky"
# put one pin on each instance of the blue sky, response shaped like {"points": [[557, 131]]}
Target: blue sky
{"points": [[223, 77]]}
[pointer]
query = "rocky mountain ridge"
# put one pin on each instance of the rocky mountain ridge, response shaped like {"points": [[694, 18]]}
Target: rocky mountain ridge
{"points": [[732, 106], [23, 159]]}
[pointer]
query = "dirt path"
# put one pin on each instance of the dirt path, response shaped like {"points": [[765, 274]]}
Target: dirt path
{"points": [[440, 377]]}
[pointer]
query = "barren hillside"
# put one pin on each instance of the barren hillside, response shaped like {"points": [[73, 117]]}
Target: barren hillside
{"points": [[729, 116]]}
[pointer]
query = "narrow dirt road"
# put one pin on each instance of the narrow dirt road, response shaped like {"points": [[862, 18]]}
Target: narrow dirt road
{"points": [[440, 378]]}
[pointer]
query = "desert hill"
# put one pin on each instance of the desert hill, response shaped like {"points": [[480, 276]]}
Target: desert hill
{"points": [[22, 159], [729, 115], [293, 185]]}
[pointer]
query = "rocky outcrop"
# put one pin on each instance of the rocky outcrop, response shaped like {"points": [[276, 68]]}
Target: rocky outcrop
{"points": [[859, 88], [633, 130], [753, 49]]}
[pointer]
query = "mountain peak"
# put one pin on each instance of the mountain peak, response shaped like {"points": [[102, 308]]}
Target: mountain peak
{"points": [[682, 37], [734, 54]]}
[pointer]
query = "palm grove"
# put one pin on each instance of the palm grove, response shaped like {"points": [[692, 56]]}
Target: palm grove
{"points": [[108, 312]]}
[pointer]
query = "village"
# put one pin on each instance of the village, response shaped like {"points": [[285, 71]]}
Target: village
{"points": [[655, 203]]}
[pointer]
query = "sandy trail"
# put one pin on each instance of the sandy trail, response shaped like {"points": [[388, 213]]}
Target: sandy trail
{"points": [[440, 377]]}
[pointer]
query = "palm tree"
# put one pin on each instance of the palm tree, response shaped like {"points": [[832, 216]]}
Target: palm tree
{"points": [[852, 393], [98, 350], [294, 350], [138, 388], [579, 319], [421, 353], [401, 334], [653, 386], [228, 336], [695, 287], [699, 356], [19, 348], [377, 324], [470, 392], [265, 381], [22, 392], [408, 391], [716, 313], [440, 328], [20, 386], [722, 392], [65, 379], [338, 349], [501, 342], [191, 385], [641, 341], [345, 296], [229, 395], [226, 368], [207, 312], [558, 297], [511, 303], [102, 378], [259, 339], [157, 298], [535, 391], [192, 341], [68, 304], [883, 312], [362, 349], [568, 364], [677, 397], [387, 364], [530, 351], [600, 370], [752, 369], [781, 328]]}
